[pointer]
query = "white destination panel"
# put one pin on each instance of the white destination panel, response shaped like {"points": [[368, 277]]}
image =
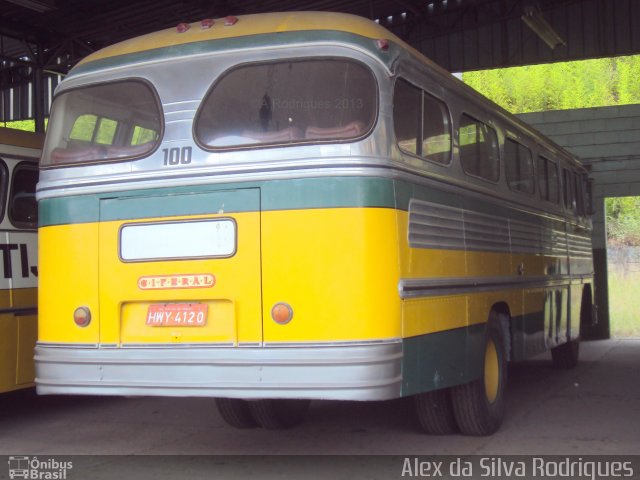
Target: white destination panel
{"points": [[208, 238]]}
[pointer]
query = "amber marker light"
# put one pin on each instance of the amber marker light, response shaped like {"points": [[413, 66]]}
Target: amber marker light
{"points": [[82, 316], [282, 313]]}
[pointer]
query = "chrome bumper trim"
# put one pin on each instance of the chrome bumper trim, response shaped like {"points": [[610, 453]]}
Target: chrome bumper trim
{"points": [[345, 372]]}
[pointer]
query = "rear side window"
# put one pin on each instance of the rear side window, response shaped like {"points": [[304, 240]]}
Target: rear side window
{"points": [[407, 116], [288, 102], [23, 209], [519, 167], [579, 194], [548, 183], [479, 149], [421, 123], [105, 122], [569, 192]]}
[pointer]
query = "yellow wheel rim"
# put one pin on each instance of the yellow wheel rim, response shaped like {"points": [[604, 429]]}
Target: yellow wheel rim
{"points": [[491, 371]]}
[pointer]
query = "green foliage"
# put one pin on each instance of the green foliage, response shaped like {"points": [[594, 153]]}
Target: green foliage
{"points": [[26, 125], [624, 302], [623, 220], [560, 86], [83, 127]]}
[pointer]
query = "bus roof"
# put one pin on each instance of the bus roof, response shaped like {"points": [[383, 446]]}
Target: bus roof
{"points": [[248, 25], [20, 138]]}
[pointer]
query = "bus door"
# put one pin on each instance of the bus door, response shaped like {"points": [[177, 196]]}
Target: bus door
{"points": [[181, 268]]}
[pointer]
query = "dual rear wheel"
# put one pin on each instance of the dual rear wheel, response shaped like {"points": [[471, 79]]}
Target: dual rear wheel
{"points": [[272, 414], [474, 408]]}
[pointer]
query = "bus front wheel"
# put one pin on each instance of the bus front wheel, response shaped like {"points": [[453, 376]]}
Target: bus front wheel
{"points": [[479, 405]]}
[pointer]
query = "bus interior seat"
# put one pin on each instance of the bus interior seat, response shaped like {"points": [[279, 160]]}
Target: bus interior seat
{"points": [[350, 130], [285, 135], [129, 150], [73, 155]]}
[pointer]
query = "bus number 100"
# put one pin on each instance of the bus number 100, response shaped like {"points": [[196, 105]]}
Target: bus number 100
{"points": [[177, 156]]}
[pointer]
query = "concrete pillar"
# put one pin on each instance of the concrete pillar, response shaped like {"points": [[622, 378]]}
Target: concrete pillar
{"points": [[601, 295]]}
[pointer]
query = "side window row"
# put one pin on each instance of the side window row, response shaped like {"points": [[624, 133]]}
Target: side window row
{"points": [[423, 129]]}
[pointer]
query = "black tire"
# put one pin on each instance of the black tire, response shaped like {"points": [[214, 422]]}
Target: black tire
{"points": [[279, 414], [236, 412], [435, 412], [565, 356], [479, 406]]}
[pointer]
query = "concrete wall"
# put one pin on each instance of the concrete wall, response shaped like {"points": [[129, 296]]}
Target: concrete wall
{"points": [[607, 140]]}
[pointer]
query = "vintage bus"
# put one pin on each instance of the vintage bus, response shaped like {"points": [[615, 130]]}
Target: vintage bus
{"points": [[19, 155], [269, 209]]}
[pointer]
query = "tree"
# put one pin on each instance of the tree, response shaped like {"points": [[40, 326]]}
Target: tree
{"points": [[559, 86]]}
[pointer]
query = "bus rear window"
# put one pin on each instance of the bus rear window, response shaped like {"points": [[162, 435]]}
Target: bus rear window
{"points": [[106, 122], [288, 102]]}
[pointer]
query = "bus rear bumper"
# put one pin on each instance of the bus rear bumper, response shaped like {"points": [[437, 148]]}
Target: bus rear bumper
{"points": [[363, 371]]}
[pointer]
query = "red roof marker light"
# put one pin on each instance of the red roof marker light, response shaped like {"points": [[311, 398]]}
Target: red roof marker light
{"points": [[383, 44], [230, 20], [206, 23], [182, 27]]}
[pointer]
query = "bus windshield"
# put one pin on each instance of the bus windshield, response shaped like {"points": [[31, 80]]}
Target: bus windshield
{"points": [[110, 121], [287, 102]]}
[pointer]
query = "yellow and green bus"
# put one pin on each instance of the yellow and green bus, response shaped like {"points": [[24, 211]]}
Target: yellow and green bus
{"points": [[270, 209], [19, 155]]}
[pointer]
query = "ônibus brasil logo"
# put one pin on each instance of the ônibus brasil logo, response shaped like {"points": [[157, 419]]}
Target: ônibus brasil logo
{"points": [[35, 469]]}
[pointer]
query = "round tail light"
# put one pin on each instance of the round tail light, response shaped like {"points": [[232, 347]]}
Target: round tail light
{"points": [[82, 316], [282, 313]]}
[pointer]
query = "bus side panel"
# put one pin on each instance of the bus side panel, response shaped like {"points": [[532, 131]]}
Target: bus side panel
{"points": [[338, 270], [68, 280]]}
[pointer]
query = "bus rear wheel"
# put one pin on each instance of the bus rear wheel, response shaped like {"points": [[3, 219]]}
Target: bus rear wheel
{"points": [[435, 412], [279, 414], [479, 405], [236, 412], [565, 356]]}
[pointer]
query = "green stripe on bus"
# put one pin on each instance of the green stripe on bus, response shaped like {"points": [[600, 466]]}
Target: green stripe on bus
{"points": [[298, 194], [234, 43], [291, 194], [128, 208]]}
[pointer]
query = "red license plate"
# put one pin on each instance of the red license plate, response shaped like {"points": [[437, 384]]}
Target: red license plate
{"points": [[177, 315]]}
